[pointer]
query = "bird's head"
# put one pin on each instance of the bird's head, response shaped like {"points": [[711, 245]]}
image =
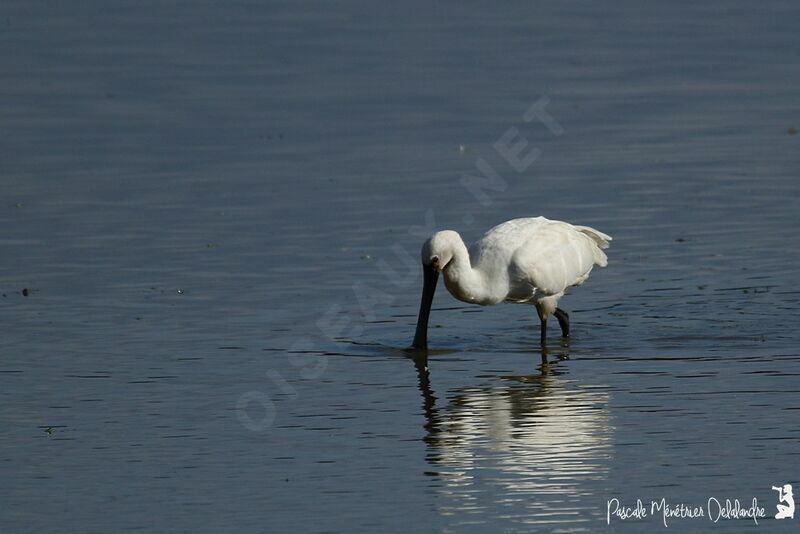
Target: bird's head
{"points": [[437, 251]]}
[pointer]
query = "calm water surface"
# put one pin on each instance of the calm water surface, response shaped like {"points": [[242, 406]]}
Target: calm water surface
{"points": [[216, 212]]}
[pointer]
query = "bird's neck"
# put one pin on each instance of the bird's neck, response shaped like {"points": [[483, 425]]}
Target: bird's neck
{"points": [[463, 281]]}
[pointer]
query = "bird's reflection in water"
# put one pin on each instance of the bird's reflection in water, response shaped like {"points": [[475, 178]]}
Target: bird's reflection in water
{"points": [[531, 448]]}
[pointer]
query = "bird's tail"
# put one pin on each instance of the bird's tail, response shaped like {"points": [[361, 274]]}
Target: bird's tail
{"points": [[601, 240]]}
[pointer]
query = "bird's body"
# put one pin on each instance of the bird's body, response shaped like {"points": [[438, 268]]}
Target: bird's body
{"points": [[530, 260]]}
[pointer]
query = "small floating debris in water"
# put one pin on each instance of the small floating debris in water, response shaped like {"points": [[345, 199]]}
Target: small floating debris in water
{"points": [[180, 291], [366, 257], [791, 130], [49, 430], [680, 239], [25, 292], [19, 205], [462, 149]]}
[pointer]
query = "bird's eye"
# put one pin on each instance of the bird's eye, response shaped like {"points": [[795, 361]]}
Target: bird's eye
{"points": [[434, 259]]}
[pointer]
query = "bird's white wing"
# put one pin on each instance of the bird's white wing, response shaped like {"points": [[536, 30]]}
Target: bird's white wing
{"points": [[558, 255], [601, 240], [495, 249]]}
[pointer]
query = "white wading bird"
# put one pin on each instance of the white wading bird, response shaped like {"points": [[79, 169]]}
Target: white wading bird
{"points": [[532, 260]]}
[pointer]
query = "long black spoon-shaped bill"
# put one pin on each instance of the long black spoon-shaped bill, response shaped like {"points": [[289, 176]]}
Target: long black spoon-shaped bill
{"points": [[430, 277]]}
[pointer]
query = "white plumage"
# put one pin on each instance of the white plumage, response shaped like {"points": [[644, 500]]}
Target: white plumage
{"points": [[531, 260]]}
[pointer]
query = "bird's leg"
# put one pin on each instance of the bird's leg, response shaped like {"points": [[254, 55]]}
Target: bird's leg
{"points": [[563, 321], [543, 338]]}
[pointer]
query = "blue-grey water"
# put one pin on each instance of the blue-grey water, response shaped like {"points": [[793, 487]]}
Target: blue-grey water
{"points": [[210, 218]]}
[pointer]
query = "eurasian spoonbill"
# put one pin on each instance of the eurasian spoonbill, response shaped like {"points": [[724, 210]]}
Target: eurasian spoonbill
{"points": [[528, 261]]}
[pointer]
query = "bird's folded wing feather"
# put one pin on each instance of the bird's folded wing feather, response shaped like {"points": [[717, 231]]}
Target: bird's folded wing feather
{"points": [[558, 256], [599, 237]]}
